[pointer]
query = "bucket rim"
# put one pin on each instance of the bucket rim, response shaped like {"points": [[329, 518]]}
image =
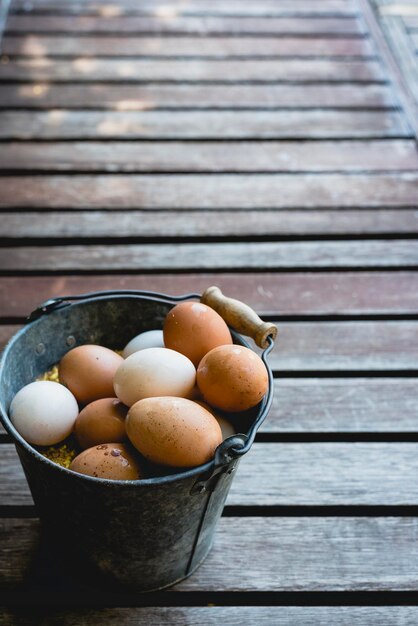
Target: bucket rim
{"points": [[209, 468]]}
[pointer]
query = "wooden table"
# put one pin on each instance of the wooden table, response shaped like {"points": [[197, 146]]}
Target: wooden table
{"points": [[267, 147]]}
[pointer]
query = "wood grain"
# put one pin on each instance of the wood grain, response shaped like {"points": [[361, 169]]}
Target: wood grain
{"points": [[285, 294], [350, 405], [185, 25], [215, 615], [334, 346], [297, 554], [94, 224], [212, 256], [159, 156], [339, 346], [216, 7], [278, 191], [292, 474], [173, 70], [75, 45], [307, 124], [148, 97]]}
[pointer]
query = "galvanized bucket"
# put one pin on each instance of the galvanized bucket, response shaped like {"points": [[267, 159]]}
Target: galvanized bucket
{"points": [[147, 533]]}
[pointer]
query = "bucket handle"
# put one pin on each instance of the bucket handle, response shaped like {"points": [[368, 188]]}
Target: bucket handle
{"points": [[240, 316], [236, 314]]}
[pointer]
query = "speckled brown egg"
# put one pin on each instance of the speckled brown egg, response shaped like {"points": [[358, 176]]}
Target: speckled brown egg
{"points": [[101, 421], [113, 461], [232, 378], [193, 329], [173, 431], [88, 372]]}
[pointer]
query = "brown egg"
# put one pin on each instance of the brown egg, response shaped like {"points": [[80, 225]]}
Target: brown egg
{"points": [[193, 329], [109, 460], [232, 378], [173, 431], [88, 372], [101, 421]]}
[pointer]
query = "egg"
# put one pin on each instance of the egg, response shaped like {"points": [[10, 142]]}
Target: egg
{"points": [[101, 421], [227, 428], [44, 412], [109, 460], [148, 339], [232, 378], [194, 329], [154, 372], [173, 431], [88, 372]]}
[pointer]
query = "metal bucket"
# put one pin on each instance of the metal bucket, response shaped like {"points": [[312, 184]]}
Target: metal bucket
{"points": [[146, 533]]}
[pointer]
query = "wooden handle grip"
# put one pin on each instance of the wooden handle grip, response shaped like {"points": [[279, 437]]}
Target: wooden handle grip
{"points": [[240, 316]]}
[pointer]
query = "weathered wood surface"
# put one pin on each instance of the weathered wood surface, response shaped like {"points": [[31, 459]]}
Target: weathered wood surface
{"points": [[193, 213], [93, 224], [206, 25], [214, 70], [143, 97], [376, 346], [216, 7], [307, 124], [274, 156], [225, 615], [212, 256], [292, 474], [350, 405], [299, 554], [278, 191], [52, 45], [281, 294]]}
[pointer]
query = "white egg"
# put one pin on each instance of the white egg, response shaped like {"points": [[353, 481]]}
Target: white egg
{"points": [[154, 372], [44, 412], [149, 339]]}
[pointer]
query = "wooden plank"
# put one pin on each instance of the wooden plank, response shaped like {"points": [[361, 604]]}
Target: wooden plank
{"points": [[240, 156], [335, 346], [185, 25], [128, 224], [211, 256], [327, 474], [292, 474], [75, 45], [339, 346], [235, 191], [284, 294], [173, 70], [341, 8], [349, 405], [332, 405], [142, 97], [264, 554], [227, 616], [57, 124]]}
